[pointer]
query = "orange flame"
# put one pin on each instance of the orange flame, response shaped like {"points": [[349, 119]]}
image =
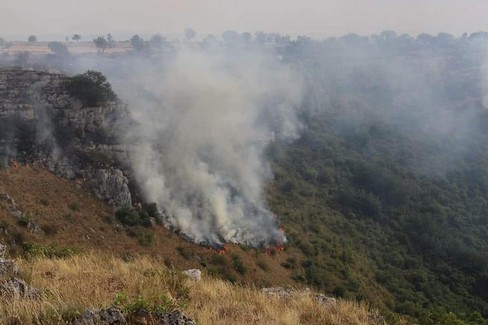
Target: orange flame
{"points": [[223, 250], [271, 249]]}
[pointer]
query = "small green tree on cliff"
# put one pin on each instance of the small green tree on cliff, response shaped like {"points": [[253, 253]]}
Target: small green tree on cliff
{"points": [[91, 88]]}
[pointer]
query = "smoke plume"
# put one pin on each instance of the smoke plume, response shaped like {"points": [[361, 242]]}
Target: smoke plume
{"points": [[204, 121]]}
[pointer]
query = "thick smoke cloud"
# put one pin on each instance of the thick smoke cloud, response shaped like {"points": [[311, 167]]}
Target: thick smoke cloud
{"points": [[204, 121]]}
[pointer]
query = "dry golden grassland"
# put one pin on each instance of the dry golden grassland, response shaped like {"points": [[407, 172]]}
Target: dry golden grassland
{"points": [[96, 280]]}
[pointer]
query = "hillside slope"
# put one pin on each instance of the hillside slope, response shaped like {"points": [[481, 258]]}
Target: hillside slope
{"points": [[69, 215]]}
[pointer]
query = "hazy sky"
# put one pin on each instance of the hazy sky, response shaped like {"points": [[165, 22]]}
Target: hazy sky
{"points": [[318, 18]]}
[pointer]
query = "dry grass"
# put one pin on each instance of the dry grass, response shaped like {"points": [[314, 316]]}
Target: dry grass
{"points": [[88, 281], [218, 302], [95, 280]]}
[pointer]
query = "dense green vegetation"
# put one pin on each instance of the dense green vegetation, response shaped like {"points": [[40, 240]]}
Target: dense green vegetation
{"points": [[386, 191], [362, 216]]}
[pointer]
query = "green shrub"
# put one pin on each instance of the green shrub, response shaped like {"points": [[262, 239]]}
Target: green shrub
{"points": [[160, 304], [50, 251], [218, 260], [128, 216], [238, 265], [152, 210], [24, 220], [144, 237], [91, 88], [183, 252]]}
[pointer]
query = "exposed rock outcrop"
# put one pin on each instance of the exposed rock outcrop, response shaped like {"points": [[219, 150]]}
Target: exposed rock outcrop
{"points": [[13, 286], [110, 316], [111, 185], [41, 123], [173, 318], [8, 267], [114, 316], [290, 293], [18, 288], [194, 274]]}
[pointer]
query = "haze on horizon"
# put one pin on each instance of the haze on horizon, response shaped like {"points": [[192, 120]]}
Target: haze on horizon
{"points": [[316, 18]]}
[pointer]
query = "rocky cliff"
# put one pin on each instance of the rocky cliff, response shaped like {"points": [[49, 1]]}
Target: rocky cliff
{"points": [[40, 123]]}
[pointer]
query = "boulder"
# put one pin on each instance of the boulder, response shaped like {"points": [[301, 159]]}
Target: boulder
{"points": [[8, 267], [114, 316], [288, 293], [325, 299], [194, 274], [15, 287], [110, 316], [173, 318]]}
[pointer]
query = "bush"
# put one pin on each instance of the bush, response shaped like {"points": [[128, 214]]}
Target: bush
{"points": [[50, 251], [91, 88], [128, 216], [144, 237], [58, 48], [238, 265]]}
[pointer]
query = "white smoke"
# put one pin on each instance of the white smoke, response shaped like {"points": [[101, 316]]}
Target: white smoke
{"points": [[204, 121]]}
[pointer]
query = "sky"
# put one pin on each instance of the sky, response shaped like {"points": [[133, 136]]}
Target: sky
{"points": [[315, 18]]}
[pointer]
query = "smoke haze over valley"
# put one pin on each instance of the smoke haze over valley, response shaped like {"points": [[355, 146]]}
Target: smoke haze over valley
{"points": [[362, 156]]}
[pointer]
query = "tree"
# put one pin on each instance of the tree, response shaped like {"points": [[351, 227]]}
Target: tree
{"points": [[388, 36], [209, 41], [58, 48], [137, 43], [425, 39], [445, 39], [101, 43], [260, 37], [91, 88], [190, 34], [76, 37], [2, 42], [230, 37], [110, 40], [32, 39], [157, 41], [246, 37]]}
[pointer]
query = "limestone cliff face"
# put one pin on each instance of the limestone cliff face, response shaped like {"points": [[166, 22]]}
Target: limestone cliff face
{"points": [[41, 123]]}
